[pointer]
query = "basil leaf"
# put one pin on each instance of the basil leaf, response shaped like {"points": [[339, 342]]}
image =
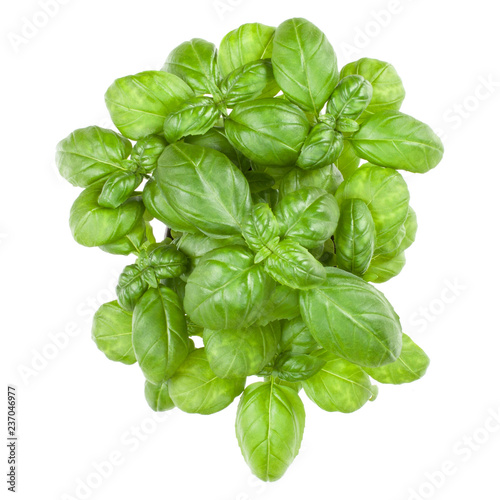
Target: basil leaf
{"points": [[203, 185], [355, 237], [292, 265], [308, 216], [386, 194], [112, 333], [410, 366], [241, 353], [147, 151], [348, 161], [196, 63], [254, 80], [269, 428], [268, 131], [327, 178], [131, 287], [293, 367], [338, 385], [322, 147], [297, 338], [93, 225], [396, 140], [118, 188], [259, 181], [167, 261], [350, 98], [227, 290], [384, 268], [132, 241], [245, 44], [283, 304], [159, 334], [89, 155], [194, 388], [196, 116], [388, 91], [304, 63], [352, 319], [138, 104], [260, 227], [157, 396]]}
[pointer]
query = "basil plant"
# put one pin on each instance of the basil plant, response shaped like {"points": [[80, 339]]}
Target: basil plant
{"points": [[277, 176]]}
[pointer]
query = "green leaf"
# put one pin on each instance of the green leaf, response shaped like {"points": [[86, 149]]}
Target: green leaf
{"points": [[147, 150], [131, 287], [259, 181], [195, 388], [195, 62], [384, 268], [138, 104], [410, 366], [241, 353], [158, 397], [338, 385], [112, 333], [322, 147], [158, 206], [348, 161], [203, 185], [308, 216], [352, 319], [304, 63], [159, 334], [292, 265], [260, 228], [388, 90], [269, 428], [386, 194], [254, 80], [327, 178], [118, 188], [268, 131], [93, 225], [393, 139], [89, 155], [227, 289], [283, 304], [131, 242], [350, 98], [167, 261], [355, 237], [293, 367], [297, 338], [245, 44], [196, 116]]}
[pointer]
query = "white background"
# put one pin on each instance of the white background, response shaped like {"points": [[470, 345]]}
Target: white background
{"points": [[77, 409]]}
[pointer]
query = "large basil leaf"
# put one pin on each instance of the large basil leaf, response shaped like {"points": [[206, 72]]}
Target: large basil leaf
{"points": [[252, 81], [112, 333], [268, 131], [139, 104], [396, 140], [157, 396], [158, 206], [297, 338], [227, 289], [350, 98], [269, 427], [203, 185], [292, 265], [93, 225], [293, 367], [283, 304], [118, 188], [386, 194], [338, 385], [355, 237], [304, 63], [260, 228], [384, 268], [322, 147], [388, 90], [195, 117], [159, 334], [241, 353], [352, 319], [196, 63], [348, 161], [410, 366], [327, 178], [245, 44], [195, 388], [308, 216], [91, 154]]}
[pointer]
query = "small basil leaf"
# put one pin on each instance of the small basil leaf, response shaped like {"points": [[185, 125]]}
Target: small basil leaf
{"points": [[147, 151], [260, 227], [293, 367], [297, 338], [321, 148], [157, 396], [350, 98], [131, 287], [347, 126], [167, 261], [327, 178], [118, 188]]}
